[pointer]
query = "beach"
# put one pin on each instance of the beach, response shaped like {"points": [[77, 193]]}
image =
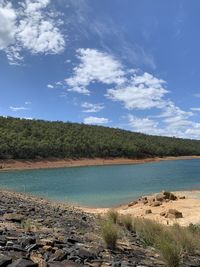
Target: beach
{"points": [[188, 203], [12, 164]]}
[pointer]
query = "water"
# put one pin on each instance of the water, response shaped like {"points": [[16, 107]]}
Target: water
{"points": [[104, 186]]}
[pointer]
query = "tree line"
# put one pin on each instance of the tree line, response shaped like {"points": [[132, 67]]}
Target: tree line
{"points": [[36, 139]]}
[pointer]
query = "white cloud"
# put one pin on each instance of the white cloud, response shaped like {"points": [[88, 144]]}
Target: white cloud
{"points": [[28, 103], [194, 132], [7, 25], [95, 120], [144, 125], [95, 66], [50, 86], [89, 107], [195, 109], [30, 27], [15, 109], [141, 92]]}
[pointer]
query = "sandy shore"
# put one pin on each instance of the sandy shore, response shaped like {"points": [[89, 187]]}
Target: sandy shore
{"points": [[190, 208], [6, 165]]}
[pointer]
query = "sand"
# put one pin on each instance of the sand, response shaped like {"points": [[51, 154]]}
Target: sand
{"points": [[6, 165], [190, 208]]}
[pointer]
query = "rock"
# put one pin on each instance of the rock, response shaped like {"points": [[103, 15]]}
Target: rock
{"points": [[46, 242], [57, 264], [47, 248], [4, 261], [86, 254], [13, 217], [148, 211], [23, 263], [60, 255], [132, 203], [169, 195], [160, 197], [182, 197], [156, 204], [163, 213], [37, 258], [27, 240], [173, 214]]}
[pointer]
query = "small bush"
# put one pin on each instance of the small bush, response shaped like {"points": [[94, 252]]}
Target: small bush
{"points": [[184, 238], [113, 216], [110, 234], [170, 252], [127, 221], [148, 230], [194, 228]]}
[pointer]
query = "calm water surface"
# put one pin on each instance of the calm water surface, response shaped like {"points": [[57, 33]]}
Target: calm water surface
{"points": [[105, 186]]}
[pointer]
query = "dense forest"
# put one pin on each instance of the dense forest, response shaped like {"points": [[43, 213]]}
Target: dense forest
{"points": [[35, 139]]}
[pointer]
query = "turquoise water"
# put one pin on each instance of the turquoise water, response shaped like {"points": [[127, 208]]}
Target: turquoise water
{"points": [[105, 186]]}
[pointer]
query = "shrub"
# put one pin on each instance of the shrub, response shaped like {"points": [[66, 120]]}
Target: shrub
{"points": [[113, 216], [184, 238], [127, 221], [170, 252], [148, 230], [110, 234]]}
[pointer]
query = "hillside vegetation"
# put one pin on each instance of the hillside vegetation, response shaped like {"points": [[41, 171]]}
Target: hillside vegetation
{"points": [[30, 139]]}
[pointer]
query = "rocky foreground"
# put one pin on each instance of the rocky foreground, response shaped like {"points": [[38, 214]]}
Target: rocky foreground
{"points": [[36, 232]]}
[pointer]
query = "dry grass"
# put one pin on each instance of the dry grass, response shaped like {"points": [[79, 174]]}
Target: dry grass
{"points": [[113, 216], [127, 221], [110, 234]]}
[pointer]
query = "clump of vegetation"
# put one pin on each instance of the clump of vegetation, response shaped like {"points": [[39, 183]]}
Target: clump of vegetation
{"points": [[127, 221], [28, 225], [113, 216], [171, 241], [194, 228], [110, 234], [170, 252], [148, 230], [187, 240]]}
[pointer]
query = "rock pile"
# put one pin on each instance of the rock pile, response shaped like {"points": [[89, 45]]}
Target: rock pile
{"points": [[35, 232]]}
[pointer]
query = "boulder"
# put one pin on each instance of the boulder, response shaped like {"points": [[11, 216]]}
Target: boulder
{"points": [[149, 211], [173, 214], [169, 195], [156, 204]]}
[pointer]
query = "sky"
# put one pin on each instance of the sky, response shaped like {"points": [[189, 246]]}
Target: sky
{"points": [[130, 64]]}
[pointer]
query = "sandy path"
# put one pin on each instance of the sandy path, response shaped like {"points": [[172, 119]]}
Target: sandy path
{"points": [[6, 165]]}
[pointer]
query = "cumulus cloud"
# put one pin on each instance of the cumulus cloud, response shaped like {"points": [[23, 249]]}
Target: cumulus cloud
{"points": [[29, 26], [144, 125], [7, 25], [91, 108], [94, 66], [95, 120], [142, 92]]}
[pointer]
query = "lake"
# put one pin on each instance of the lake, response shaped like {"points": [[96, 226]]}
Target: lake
{"points": [[105, 186]]}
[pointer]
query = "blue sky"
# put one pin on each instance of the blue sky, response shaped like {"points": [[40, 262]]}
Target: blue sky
{"points": [[128, 64]]}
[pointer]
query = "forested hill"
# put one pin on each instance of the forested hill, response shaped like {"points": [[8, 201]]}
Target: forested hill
{"points": [[29, 139]]}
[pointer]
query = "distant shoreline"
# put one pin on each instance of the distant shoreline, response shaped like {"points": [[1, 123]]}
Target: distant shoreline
{"points": [[11, 165]]}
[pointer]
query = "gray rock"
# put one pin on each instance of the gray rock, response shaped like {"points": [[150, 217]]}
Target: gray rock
{"points": [[4, 261], [23, 263]]}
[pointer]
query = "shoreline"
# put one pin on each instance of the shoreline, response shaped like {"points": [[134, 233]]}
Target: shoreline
{"points": [[189, 206], [14, 165]]}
